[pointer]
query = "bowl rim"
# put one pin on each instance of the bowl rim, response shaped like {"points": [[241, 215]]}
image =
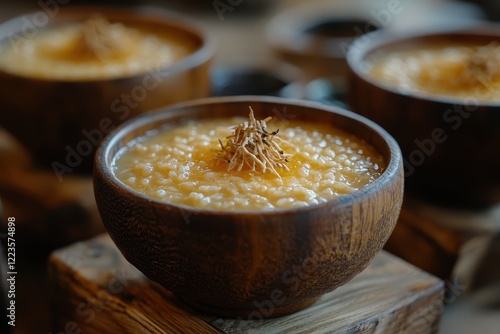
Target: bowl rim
{"points": [[375, 41], [103, 153], [285, 32], [203, 53]]}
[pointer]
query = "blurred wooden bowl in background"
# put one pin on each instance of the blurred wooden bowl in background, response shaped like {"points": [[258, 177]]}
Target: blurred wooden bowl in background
{"points": [[62, 120], [450, 144]]}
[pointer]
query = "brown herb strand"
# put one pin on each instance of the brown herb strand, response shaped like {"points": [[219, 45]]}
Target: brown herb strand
{"points": [[99, 37], [253, 146], [482, 64]]}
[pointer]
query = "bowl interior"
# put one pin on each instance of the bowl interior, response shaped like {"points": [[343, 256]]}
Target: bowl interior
{"points": [[365, 51], [412, 116], [165, 23], [278, 108]]}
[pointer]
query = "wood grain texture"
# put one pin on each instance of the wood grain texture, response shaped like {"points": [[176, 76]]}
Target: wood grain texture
{"points": [[97, 291], [226, 260]]}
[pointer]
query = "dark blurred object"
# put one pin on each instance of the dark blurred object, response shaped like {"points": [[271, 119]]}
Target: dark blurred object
{"points": [[49, 213], [461, 246], [487, 271], [316, 39], [490, 8], [421, 240], [84, 2], [231, 81], [338, 28], [220, 8], [330, 91]]}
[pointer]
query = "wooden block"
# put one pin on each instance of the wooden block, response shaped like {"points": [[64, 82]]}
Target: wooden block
{"points": [[96, 290]]}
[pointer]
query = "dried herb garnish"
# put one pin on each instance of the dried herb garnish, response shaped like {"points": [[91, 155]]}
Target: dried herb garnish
{"points": [[99, 37], [483, 63], [253, 146]]}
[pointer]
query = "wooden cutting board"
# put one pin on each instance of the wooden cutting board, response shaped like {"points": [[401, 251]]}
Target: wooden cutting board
{"points": [[95, 290]]}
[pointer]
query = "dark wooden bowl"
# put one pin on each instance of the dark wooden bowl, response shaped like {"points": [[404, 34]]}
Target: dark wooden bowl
{"points": [[450, 147], [316, 37], [242, 262], [53, 118]]}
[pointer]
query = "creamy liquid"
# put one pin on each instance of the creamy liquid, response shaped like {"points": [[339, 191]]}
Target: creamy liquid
{"points": [[60, 53], [178, 166], [443, 70]]}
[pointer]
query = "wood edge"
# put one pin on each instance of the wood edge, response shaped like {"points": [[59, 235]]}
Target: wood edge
{"points": [[71, 290]]}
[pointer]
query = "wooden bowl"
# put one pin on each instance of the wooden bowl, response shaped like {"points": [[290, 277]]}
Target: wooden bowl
{"points": [[62, 121], [241, 262], [450, 146], [316, 37]]}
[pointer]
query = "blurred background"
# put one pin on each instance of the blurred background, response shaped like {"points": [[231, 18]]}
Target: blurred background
{"points": [[262, 47]]}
